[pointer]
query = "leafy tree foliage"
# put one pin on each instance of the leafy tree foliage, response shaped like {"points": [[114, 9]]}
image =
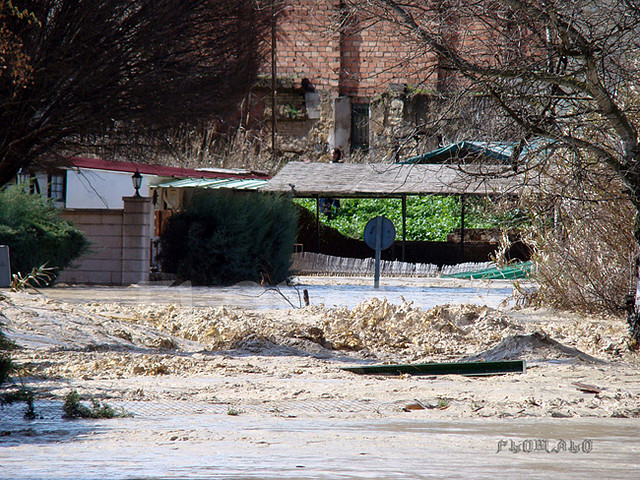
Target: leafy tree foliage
{"points": [[35, 233], [429, 218], [119, 73], [224, 238], [5, 359]]}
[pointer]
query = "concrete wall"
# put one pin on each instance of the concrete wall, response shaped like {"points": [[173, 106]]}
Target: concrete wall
{"points": [[88, 188], [120, 250], [137, 222]]}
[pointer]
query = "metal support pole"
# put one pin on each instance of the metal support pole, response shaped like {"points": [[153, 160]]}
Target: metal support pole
{"points": [[404, 226], [376, 275], [462, 209], [317, 224], [274, 80]]}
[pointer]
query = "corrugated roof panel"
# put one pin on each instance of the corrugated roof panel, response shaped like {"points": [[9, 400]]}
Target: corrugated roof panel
{"points": [[213, 183]]}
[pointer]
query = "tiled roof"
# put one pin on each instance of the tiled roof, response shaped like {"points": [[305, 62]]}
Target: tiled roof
{"points": [[161, 170]]}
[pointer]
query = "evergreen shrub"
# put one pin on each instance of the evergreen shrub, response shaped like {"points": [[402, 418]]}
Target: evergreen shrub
{"points": [[36, 234], [222, 238], [5, 360]]}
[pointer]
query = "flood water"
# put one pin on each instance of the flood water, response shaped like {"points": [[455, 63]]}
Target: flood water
{"points": [[249, 295], [265, 447], [268, 444]]}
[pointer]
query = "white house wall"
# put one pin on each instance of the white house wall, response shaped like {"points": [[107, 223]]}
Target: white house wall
{"points": [[100, 188]]}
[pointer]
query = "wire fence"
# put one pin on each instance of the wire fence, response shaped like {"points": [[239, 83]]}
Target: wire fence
{"points": [[53, 409]]}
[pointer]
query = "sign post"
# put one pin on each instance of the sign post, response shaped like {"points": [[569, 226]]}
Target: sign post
{"points": [[379, 234]]}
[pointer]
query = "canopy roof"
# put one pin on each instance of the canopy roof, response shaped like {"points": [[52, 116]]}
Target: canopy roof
{"points": [[499, 151], [345, 180], [486, 152], [214, 183]]}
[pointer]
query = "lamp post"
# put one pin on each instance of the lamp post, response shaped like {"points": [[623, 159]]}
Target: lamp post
{"points": [[136, 178], [22, 177]]}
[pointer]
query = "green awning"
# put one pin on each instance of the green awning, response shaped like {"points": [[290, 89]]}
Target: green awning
{"points": [[213, 183], [499, 151]]}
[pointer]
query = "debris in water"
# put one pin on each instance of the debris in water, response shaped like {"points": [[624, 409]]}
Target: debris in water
{"points": [[449, 368]]}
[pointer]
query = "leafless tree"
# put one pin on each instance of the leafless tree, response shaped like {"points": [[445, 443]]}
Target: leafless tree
{"points": [[563, 71], [121, 73]]}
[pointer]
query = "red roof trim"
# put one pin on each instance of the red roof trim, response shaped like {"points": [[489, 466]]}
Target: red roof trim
{"points": [[157, 170]]}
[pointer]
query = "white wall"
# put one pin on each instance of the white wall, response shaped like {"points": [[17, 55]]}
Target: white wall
{"points": [[100, 188], [340, 136]]}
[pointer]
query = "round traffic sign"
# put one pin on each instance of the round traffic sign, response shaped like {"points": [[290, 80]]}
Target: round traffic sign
{"points": [[379, 233]]}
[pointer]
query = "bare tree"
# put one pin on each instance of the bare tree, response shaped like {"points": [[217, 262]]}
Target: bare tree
{"points": [[122, 72], [563, 71]]}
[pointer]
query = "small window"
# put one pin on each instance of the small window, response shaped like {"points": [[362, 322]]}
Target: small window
{"points": [[359, 126], [56, 187]]}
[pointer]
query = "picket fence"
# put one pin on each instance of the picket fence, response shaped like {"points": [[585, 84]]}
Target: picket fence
{"points": [[309, 263]]}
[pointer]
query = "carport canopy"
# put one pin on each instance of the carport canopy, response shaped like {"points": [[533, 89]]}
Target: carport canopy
{"points": [[350, 180]]}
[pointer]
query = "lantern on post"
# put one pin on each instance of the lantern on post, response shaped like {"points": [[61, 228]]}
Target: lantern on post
{"points": [[22, 177], [136, 178]]}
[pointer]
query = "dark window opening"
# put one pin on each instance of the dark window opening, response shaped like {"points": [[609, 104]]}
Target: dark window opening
{"points": [[56, 187], [359, 126]]}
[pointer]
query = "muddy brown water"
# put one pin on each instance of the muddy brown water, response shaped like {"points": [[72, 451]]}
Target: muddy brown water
{"points": [[252, 444], [267, 446], [422, 292]]}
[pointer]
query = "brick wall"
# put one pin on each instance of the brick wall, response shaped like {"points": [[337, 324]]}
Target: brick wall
{"points": [[352, 59], [346, 55], [308, 44]]}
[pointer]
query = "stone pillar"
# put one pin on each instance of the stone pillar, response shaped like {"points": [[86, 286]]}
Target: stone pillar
{"points": [[136, 247]]}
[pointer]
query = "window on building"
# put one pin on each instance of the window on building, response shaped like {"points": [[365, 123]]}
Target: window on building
{"points": [[56, 187], [359, 126]]}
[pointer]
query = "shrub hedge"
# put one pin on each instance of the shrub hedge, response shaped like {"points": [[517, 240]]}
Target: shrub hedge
{"points": [[222, 238], [36, 235]]}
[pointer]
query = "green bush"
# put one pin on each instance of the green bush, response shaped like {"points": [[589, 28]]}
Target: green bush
{"points": [[223, 238], [36, 235], [74, 409], [5, 359]]}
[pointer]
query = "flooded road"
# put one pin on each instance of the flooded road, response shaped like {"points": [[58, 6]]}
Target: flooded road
{"points": [[424, 293], [266, 415], [249, 446]]}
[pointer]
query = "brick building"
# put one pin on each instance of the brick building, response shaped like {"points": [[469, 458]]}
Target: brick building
{"points": [[350, 82]]}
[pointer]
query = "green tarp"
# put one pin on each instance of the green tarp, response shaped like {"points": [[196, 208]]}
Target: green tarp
{"points": [[518, 270]]}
